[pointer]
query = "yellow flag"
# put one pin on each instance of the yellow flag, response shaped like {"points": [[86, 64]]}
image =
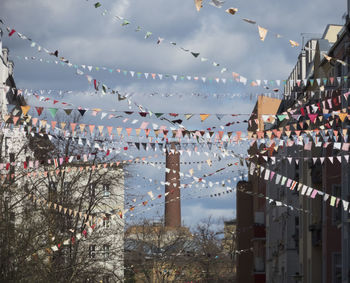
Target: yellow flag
{"points": [[198, 4], [342, 116], [262, 33], [25, 109], [293, 43]]}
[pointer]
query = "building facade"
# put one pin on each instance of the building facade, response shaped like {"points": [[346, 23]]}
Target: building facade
{"points": [[36, 209]]}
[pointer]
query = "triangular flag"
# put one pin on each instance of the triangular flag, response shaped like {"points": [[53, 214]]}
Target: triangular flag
{"points": [[68, 111], [53, 112], [15, 120], [293, 43], [188, 116], [39, 110], [203, 117], [100, 128], [198, 4], [262, 33], [91, 127], [25, 109], [82, 127], [82, 111], [109, 129], [128, 130], [73, 125]]}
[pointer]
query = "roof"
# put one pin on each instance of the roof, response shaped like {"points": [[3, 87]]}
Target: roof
{"points": [[331, 32]]}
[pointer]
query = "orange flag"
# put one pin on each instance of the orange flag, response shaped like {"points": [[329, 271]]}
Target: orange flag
{"points": [[91, 127], [204, 117], [109, 129], [128, 130], [25, 109], [15, 120], [73, 125]]}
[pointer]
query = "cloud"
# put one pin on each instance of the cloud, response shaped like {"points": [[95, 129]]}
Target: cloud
{"points": [[81, 33], [199, 212]]}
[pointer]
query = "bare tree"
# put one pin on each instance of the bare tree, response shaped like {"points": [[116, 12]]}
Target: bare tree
{"points": [[154, 253], [29, 228]]}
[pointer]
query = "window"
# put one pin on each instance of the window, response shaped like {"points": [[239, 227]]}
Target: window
{"points": [[91, 191], [106, 221], [336, 211], [339, 70], [105, 251], [66, 186], [92, 251], [296, 235], [296, 176], [92, 219], [106, 191], [7, 143], [52, 186], [12, 168], [336, 268]]}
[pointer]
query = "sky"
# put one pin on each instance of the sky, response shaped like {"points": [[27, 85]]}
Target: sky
{"points": [[87, 36]]}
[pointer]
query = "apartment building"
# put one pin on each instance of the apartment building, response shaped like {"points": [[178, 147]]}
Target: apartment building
{"points": [[36, 209]]}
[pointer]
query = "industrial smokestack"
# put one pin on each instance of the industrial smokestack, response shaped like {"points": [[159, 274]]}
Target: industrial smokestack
{"points": [[172, 213]]}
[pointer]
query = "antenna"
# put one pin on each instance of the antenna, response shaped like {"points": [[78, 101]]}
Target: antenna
{"points": [[309, 35], [344, 17]]}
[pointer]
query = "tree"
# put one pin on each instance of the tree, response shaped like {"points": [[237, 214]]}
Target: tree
{"points": [[154, 253], [35, 211]]}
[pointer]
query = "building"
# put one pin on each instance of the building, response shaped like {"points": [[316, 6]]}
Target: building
{"points": [[287, 250], [251, 233], [36, 210], [309, 243], [319, 236]]}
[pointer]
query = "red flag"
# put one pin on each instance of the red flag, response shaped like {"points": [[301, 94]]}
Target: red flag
{"points": [[12, 32]]}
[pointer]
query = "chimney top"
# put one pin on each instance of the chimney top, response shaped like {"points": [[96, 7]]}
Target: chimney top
{"points": [[5, 53]]}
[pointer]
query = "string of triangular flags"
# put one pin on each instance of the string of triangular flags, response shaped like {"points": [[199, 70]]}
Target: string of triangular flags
{"points": [[315, 159], [38, 110], [62, 60], [232, 11], [304, 190], [202, 95], [236, 76], [93, 130]]}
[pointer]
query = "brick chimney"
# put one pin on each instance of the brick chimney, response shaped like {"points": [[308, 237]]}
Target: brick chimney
{"points": [[172, 214]]}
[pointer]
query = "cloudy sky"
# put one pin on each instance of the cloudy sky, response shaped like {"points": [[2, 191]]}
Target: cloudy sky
{"points": [[93, 36]]}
